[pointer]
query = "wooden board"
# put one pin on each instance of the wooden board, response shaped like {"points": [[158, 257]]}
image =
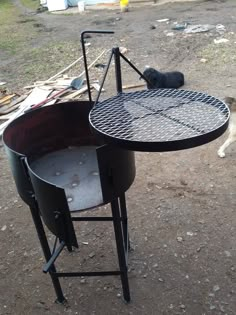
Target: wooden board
{"points": [[6, 110], [6, 99], [79, 92]]}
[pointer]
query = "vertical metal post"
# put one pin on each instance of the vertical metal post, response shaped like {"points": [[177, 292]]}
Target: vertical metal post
{"points": [[120, 249], [47, 253], [116, 52], [86, 66]]}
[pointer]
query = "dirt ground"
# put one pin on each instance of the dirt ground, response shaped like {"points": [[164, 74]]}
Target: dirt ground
{"points": [[181, 206]]}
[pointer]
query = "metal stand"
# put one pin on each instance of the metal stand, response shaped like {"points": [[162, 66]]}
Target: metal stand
{"points": [[117, 55], [119, 219], [121, 249], [85, 58], [47, 253]]}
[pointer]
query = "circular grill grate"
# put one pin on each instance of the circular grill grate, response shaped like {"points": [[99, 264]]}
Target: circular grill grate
{"points": [[160, 115]]}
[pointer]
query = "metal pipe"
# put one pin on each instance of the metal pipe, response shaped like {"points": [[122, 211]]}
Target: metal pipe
{"points": [[88, 274], [116, 52], [53, 258], [104, 78], [120, 249], [92, 219], [85, 58], [136, 69], [47, 253]]}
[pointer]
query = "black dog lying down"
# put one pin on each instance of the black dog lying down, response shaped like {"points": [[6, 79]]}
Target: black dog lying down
{"points": [[159, 79]]}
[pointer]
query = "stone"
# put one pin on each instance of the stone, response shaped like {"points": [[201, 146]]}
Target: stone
{"points": [[227, 253], [183, 182], [221, 41], [4, 228], [189, 233], [216, 288], [170, 34]]}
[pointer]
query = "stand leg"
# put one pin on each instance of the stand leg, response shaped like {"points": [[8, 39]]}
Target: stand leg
{"points": [[120, 249], [47, 253]]}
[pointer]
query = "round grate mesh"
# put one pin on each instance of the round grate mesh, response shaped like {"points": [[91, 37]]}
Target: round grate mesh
{"points": [[158, 116]]}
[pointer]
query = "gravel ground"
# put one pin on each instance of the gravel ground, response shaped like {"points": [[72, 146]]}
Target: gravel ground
{"points": [[182, 204]]}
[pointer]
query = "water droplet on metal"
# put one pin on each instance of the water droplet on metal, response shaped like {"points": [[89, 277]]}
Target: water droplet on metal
{"points": [[58, 173], [69, 199], [95, 173], [74, 184]]}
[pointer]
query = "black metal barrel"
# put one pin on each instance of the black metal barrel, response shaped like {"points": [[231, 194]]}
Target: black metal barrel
{"points": [[59, 136]]}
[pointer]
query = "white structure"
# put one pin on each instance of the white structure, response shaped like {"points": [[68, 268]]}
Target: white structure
{"points": [[56, 5]]}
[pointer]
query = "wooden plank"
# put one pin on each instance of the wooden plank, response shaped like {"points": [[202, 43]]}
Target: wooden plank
{"points": [[52, 84], [37, 95], [41, 84], [64, 93], [132, 86], [4, 115], [79, 92], [17, 101], [6, 109], [7, 98], [97, 87]]}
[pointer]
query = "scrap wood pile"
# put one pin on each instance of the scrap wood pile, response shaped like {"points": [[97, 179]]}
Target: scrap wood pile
{"points": [[60, 87], [57, 88]]}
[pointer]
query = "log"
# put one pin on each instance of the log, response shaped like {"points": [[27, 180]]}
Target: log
{"points": [[132, 86], [6, 99], [79, 92]]}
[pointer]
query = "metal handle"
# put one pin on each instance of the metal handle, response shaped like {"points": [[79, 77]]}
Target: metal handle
{"points": [[85, 58]]}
